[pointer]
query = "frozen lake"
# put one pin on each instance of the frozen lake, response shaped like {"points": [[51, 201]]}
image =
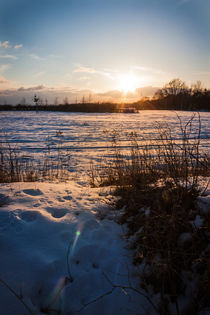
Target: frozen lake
{"points": [[85, 135]]}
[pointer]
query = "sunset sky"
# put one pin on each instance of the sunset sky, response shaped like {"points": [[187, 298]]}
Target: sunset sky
{"points": [[100, 46]]}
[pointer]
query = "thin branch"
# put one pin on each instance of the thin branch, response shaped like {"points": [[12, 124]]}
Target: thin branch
{"points": [[123, 288], [17, 296]]}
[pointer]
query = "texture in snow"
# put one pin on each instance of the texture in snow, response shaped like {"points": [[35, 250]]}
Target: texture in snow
{"points": [[84, 135], [38, 223]]}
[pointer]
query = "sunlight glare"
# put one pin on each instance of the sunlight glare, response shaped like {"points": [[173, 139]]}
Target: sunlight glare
{"points": [[128, 82]]}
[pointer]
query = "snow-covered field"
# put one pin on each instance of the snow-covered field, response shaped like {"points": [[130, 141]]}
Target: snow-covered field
{"points": [[84, 135], [52, 232]]}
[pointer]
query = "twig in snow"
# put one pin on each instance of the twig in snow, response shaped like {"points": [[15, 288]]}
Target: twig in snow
{"points": [[123, 288], [70, 278], [19, 297]]}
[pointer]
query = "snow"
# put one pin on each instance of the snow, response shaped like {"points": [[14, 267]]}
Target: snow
{"points": [[51, 233], [38, 223], [86, 136]]}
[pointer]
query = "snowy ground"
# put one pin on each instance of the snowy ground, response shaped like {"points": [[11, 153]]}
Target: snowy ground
{"points": [[38, 223], [84, 135], [41, 223]]}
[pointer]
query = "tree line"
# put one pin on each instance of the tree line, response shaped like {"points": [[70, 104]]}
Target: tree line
{"points": [[175, 95]]}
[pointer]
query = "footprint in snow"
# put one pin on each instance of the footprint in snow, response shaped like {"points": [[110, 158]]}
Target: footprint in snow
{"points": [[29, 216], [67, 197], [33, 192], [4, 200], [56, 212]]}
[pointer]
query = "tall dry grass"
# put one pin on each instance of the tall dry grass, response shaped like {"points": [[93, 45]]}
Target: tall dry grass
{"points": [[159, 185], [17, 167]]}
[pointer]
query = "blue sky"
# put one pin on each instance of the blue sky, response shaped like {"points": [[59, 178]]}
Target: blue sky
{"points": [[99, 44]]}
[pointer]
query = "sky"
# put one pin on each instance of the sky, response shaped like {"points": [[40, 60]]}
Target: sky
{"points": [[103, 48]]}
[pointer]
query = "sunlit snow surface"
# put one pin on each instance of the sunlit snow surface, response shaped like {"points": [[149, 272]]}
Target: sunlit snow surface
{"points": [[85, 135]]}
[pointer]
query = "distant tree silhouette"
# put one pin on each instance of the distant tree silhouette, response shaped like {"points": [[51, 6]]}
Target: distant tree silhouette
{"points": [[174, 87], [56, 101], [36, 100], [66, 101], [83, 99], [178, 96], [197, 88]]}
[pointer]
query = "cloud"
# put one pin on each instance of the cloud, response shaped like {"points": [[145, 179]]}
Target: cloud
{"points": [[146, 91], [18, 46], [4, 68], [14, 95], [8, 57], [36, 57], [112, 94], [39, 74], [84, 78], [150, 70], [4, 81], [5, 44], [132, 95], [92, 71], [33, 88], [85, 69]]}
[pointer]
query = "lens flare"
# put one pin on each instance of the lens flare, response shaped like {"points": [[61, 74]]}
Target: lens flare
{"points": [[56, 293], [78, 233]]}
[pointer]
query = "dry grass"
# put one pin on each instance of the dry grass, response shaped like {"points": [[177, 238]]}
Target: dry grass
{"points": [[158, 186], [17, 167]]}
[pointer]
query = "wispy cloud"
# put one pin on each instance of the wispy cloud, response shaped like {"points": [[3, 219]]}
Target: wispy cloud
{"points": [[39, 74], [4, 68], [92, 71], [150, 70], [18, 46], [3, 80], [85, 69], [35, 56], [33, 88], [9, 57], [5, 44], [84, 78]]}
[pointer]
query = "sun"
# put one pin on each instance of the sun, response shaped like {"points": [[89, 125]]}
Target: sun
{"points": [[127, 82]]}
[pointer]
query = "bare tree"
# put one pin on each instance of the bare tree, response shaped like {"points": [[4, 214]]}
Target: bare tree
{"points": [[174, 87], [36, 101], [66, 101], [83, 99], [56, 101], [90, 98], [197, 87]]}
